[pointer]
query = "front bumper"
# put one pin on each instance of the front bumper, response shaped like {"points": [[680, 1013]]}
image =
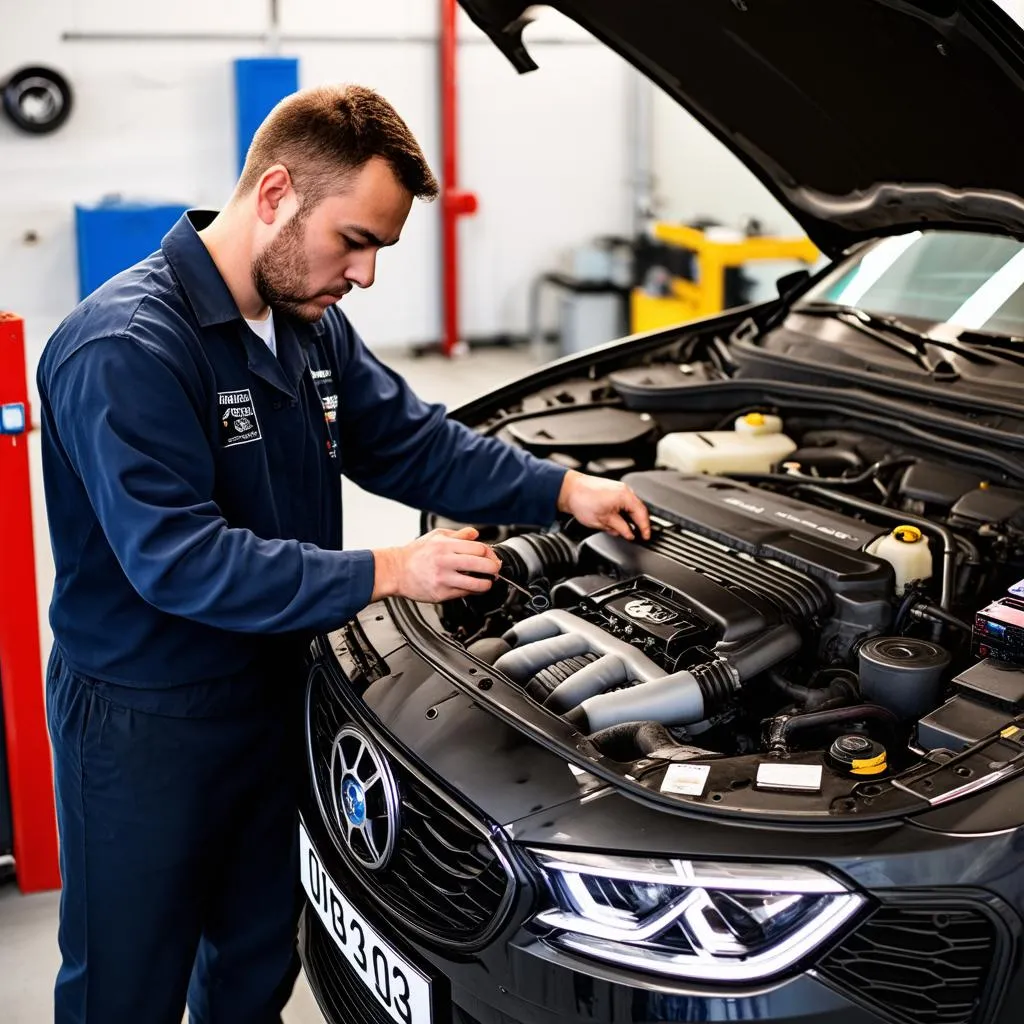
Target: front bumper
{"points": [[549, 989]]}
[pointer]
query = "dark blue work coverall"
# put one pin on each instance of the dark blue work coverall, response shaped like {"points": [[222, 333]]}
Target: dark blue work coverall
{"points": [[194, 499]]}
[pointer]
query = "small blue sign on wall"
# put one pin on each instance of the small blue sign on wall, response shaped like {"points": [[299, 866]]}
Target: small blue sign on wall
{"points": [[12, 418]]}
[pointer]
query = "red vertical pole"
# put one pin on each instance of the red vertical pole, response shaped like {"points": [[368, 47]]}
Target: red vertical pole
{"points": [[454, 203], [21, 682]]}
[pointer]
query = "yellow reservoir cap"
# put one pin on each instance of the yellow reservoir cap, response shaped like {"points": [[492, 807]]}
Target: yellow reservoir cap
{"points": [[869, 765], [907, 534], [754, 419]]}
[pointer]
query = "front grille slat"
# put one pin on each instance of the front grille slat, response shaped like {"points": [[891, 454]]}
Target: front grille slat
{"points": [[459, 875], [918, 965], [440, 839], [446, 878]]}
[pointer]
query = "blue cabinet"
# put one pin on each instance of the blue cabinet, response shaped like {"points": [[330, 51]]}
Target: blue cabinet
{"points": [[111, 236]]}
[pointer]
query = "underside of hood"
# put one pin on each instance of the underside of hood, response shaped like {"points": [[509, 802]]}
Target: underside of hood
{"points": [[863, 117]]}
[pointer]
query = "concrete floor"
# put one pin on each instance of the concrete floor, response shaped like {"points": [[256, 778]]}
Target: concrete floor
{"points": [[28, 924]]}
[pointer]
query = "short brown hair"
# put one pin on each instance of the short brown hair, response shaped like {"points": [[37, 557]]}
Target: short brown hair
{"points": [[323, 133]]}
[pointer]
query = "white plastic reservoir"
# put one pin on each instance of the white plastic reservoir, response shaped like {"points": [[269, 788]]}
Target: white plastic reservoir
{"points": [[754, 445], [906, 549]]}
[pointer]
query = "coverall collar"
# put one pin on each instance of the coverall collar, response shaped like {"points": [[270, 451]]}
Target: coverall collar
{"points": [[193, 265], [213, 304], [200, 279]]}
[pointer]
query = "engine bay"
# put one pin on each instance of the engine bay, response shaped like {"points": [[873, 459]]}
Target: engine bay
{"points": [[824, 617]]}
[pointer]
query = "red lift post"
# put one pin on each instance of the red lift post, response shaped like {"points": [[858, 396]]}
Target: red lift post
{"points": [[28, 750], [455, 203]]}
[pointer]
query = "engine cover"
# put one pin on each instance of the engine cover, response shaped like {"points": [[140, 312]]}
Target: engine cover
{"points": [[740, 559]]}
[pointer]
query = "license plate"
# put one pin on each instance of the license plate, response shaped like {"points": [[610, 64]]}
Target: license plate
{"points": [[402, 990]]}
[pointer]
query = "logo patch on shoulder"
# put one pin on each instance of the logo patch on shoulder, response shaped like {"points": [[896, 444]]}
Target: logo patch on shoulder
{"points": [[238, 422]]}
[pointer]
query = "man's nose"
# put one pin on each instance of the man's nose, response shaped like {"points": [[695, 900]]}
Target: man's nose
{"points": [[362, 271]]}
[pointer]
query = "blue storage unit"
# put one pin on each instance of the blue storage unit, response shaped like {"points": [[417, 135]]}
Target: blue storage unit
{"points": [[260, 84], [112, 235]]}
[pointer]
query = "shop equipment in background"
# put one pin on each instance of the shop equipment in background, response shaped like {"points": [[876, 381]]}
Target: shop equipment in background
{"points": [[592, 297], [686, 272]]}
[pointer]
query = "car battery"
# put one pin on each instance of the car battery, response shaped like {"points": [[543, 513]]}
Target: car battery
{"points": [[994, 682], [999, 631], [960, 722]]}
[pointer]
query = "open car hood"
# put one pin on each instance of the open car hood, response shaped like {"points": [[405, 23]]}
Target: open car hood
{"points": [[863, 117]]}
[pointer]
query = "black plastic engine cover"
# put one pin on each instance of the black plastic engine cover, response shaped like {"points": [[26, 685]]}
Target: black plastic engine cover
{"points": [[824, 543], [761, 529]]}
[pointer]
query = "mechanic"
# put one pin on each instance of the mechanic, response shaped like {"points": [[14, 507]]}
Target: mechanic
{"points": [[198, 411]]}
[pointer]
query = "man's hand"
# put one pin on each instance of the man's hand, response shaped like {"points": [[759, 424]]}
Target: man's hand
{"points": [[600, 504], [433, 567]]}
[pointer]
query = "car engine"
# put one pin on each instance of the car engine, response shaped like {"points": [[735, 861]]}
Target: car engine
{"points": [[822, 607]]}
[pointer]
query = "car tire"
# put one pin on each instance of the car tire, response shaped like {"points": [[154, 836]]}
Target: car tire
{"points": [[37, 100]]}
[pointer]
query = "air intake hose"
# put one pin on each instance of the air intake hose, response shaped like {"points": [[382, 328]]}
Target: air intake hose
{"points": [[524, 560], [692, 695], [533, 555]]}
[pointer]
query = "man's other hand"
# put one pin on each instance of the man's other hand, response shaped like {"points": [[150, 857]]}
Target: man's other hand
{"points": [[434, 567], [603, 505]]}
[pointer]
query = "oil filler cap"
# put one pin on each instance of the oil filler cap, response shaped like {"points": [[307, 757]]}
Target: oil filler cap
{"points": [[854, 754]]}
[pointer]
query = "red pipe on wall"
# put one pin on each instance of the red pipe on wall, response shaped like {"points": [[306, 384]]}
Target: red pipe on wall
{"points": [[21, 682], [454, 202]]}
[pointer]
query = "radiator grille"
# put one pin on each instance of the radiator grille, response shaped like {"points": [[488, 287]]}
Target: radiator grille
{"points": [[446, 879]]}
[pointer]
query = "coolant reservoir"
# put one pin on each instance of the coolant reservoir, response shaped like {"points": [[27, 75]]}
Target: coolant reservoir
{"points": [[755, 445], [906, 549]]}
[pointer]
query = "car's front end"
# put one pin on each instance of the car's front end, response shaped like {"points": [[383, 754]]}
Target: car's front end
{"points": [[524, 889]]}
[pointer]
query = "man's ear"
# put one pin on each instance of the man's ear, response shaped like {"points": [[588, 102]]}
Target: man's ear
{"points": [[272, 191]]}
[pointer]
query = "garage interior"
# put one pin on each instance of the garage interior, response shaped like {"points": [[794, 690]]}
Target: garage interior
{"points": [[578, 205]]}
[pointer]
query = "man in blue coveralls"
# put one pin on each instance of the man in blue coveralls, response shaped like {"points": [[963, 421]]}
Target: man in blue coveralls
{"points": [[198, 411]]}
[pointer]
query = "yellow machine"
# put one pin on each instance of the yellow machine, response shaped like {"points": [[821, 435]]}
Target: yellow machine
{"points": [[705, 295]]}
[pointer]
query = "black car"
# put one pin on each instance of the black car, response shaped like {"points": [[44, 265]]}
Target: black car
{"points": [[770, 764]]}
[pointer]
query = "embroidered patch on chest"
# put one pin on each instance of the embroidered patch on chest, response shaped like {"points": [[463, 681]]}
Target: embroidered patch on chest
{"points": [[238, 422], [330, 404]]}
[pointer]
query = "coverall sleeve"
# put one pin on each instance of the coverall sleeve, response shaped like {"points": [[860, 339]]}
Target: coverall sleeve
{"points": [[396, 445], [131, 431]]}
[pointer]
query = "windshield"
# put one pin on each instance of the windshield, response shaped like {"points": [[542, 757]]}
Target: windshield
{"points": [[969, 281]]}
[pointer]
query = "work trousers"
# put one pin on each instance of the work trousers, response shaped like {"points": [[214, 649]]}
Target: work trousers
{"points": [[178, 851]]}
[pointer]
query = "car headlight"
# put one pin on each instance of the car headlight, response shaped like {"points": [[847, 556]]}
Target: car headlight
{"points": [[713, 921]]}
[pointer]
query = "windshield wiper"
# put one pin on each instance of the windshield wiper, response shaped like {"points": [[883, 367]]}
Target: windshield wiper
{"points": [[882, 327], [995, 347], [885, 329]]}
